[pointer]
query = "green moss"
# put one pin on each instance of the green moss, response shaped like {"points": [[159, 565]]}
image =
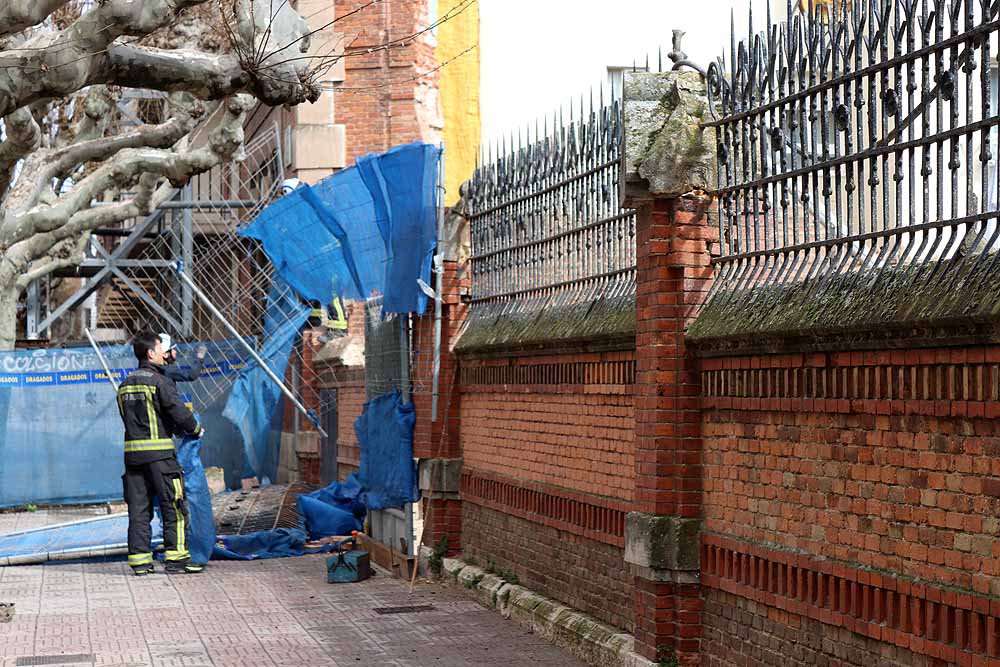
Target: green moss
{"points": [[542, 323], [935, 294]]}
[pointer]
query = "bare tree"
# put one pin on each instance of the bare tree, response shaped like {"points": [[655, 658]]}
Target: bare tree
{"points": [[51, 62]]}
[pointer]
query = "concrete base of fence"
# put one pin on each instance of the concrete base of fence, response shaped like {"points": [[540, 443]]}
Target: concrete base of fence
{"points": [[589, 640]]}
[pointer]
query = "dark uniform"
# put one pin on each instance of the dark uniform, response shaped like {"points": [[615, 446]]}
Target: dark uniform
{"points": [[190, 374], [152, 412]]}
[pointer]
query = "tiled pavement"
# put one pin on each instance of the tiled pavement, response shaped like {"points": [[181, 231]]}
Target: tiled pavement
{"points": [[12, 522], [249, 614]]}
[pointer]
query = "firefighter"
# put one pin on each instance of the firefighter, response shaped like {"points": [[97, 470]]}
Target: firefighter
{"points": [[152, 412], [330, 317], [175, 372]]}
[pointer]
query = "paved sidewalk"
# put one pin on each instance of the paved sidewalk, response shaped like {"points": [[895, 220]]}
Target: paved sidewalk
{"points": [[13, 522], [249, 614]]}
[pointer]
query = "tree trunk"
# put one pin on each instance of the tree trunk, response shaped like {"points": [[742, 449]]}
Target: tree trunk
{"points": [[8, 317]]}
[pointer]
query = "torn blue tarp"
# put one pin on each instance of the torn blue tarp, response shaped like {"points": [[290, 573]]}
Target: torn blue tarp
{"points": [[255, 397], [201, 522], [366, 230], [402, 185], [388, 473], [296, 234]]}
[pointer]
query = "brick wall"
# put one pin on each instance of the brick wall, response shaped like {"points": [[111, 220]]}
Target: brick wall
{"points": [[549, 473], [860, 490], [580, 572], [565, 420], [378, 116], [350, 385], [742, 632], [440, 438]]}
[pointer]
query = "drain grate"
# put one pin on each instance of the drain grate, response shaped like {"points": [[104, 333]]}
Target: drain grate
{"points": [[66, 659], [412, 609]]}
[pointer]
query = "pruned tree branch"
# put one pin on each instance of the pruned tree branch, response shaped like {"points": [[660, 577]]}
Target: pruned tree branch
{"points": [[72, 215], [18, 15], [60, 256], [70, 151], [86, 53], [23, 137]]}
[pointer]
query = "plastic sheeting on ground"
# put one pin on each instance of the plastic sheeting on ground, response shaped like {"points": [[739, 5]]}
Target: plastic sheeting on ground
{"points": [[60, 432], [388, 473], [387, 478], [366, 229], [102, 536], [277, 543], [255, 397]]}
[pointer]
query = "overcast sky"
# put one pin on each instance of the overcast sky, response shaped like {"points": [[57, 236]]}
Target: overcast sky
{"points": [[538, 54]]}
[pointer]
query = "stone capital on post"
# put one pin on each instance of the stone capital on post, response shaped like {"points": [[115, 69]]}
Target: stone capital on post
{"points": [[667, 153]]}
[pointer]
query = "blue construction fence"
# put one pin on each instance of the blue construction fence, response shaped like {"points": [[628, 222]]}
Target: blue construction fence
{"points": [[60, 432]]}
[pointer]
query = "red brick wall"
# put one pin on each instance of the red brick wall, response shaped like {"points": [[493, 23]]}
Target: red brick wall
{"points": [[850, 464], [549, 473], [440, 438], [380, 116], [564, 420], [746, 633], [350, 386], [580, 572]]}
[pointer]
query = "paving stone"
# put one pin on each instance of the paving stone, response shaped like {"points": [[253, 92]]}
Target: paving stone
{"points": [[274, 613]]}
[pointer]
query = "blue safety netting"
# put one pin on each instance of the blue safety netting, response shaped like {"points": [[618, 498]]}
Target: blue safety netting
{"points": [[388, 473], [254, 399], [366, 230], [60, 432]]}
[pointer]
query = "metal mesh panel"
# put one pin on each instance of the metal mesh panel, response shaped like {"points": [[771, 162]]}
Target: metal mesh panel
{"points": [[857, 167], [549, 235]]}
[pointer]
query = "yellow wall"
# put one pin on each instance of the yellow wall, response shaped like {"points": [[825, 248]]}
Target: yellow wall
{"points": [[459, 87]]}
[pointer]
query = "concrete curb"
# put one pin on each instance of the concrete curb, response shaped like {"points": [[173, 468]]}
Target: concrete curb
{"points": [[589, 640]]}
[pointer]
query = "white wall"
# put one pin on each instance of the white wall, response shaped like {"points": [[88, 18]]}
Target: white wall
{"points": [[538, 54]]}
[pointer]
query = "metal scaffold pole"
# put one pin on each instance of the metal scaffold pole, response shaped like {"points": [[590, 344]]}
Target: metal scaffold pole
{"points": [[246, 346]]}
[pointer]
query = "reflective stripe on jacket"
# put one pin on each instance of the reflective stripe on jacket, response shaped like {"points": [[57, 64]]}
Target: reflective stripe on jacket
{"points": [[152, 411]]}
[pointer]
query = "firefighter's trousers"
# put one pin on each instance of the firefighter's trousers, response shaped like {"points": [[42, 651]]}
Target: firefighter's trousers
{"points": [[165, 480]]}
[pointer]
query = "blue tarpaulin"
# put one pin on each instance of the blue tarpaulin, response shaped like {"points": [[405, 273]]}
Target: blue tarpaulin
{"points": [[402, 185], [388, 473], [369, 229], [295, 233], [201, 522], [387, 478], [255, 397]]}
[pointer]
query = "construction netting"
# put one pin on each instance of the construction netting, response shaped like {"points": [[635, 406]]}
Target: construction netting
{"points": [[255, 264], [60, 432]]}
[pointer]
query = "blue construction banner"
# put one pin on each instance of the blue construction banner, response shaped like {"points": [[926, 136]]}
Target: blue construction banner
{"points": [[60, 431]]}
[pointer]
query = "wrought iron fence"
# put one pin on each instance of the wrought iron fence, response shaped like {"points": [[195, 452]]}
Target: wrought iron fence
{"points": [[547, 228], [857, 164]]}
